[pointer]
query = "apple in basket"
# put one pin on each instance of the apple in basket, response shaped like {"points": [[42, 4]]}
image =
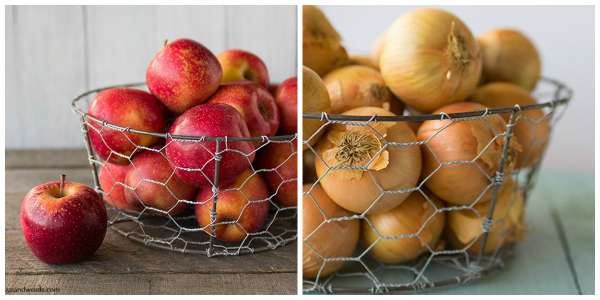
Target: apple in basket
{"points": [[286, 98], [255, 104], [183, 74], [243, 65], [194, 160], [129, 108], [242, 208], [63, 222], [112, 181], [279, 161], [152, 183]]}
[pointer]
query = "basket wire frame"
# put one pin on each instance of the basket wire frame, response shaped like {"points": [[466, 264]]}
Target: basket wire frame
{"points": [[157, 227], [443, 267]]}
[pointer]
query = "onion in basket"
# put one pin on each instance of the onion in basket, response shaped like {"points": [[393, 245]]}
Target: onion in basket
{"points": [[415, 216], [321, 44], [355, 86], [430, 59], [476, 140], [388, 168], [532, 130], [464, 226], [508, 55], [334, 239], [315, 99]]}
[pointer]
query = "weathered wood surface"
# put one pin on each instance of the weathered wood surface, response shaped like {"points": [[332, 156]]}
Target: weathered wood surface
{"points": [[124, 266]]}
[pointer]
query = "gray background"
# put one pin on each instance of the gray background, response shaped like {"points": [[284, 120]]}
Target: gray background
{"points": [[564, 36], [54, 53]]}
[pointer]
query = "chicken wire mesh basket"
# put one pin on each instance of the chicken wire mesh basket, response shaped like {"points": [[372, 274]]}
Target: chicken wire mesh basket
{"points": [[417, 257], [176, 227]]}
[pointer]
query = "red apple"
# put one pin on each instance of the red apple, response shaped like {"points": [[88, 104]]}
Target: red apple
{"points": [[111, 177], [154, 184], [244, 203], [209, 120], [63, 222], [286, 98], [127, 108], [279, 160], [254, 103], [242, 65], [183, 74]]}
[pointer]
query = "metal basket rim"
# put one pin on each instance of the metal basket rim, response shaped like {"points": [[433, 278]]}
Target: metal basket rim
{"points": [[559, 100], [104, 123]]}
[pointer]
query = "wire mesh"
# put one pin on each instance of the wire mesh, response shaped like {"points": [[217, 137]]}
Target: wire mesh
{"points": [[148, 203], [443, 257]]}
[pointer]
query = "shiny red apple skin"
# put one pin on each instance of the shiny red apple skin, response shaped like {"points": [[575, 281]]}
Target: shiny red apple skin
{"points": [[149, 168], [244, 201], [63, 230], [256, 105], [114, 193], [210, 120], [286, 98], [278, 164], [124, 107], [243, 65], [183, 74]]}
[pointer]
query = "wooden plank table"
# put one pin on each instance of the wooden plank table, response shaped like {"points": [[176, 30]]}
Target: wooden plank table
{"points": [[122, 266]]}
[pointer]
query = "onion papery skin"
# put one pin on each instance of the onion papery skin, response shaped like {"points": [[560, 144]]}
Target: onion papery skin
{"points": [[430, 59], [392, 168], [464, 226], [315, 99], [356, 86], [475, 140], [334, 239], [531, 129], [508, 55], [414, 213], [321, 44]]}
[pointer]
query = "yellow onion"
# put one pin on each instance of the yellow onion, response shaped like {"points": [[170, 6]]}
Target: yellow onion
{"points": [[362, 60], [471, 140], [355, 86], [378, 48], [508, 55], [315, 99], [531, 130], [333, 239], [321, 44], [387, 168], [430, 59], [415, 216], [465, 226]]}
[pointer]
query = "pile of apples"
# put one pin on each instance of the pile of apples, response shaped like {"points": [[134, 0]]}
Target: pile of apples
{"points": [[196, 94]]}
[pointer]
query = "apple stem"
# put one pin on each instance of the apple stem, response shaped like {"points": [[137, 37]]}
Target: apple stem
{"points": [[62, 184], [165, 42]]}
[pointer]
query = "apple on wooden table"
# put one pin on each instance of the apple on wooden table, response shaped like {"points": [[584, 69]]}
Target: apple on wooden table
{"points": [[63, 222]]}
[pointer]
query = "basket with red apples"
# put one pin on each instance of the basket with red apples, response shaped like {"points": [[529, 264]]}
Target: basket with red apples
{"points": [[204, 159]]}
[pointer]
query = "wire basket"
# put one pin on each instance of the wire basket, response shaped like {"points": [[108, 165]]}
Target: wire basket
{"points": [[161, 227], [442, 261]]}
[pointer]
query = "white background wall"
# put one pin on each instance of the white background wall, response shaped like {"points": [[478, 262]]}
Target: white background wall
{"points": [[53, 53], [564, 36]]}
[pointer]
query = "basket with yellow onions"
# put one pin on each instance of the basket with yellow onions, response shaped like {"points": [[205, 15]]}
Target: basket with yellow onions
{"points": [[418, 160]]}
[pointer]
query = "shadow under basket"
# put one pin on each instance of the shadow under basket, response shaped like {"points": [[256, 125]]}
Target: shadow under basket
{"points": [[442, 264], [181, 232]]}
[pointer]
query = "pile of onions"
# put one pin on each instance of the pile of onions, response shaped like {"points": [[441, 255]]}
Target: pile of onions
{"points": [[465, 226], [355, 86], [415, 216], [508, 55], [448, 141], [333, 239], [430, 59], [390, 168], [531, 130], [315, 99], [321, 44]]}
